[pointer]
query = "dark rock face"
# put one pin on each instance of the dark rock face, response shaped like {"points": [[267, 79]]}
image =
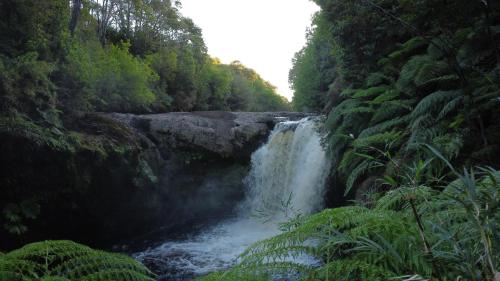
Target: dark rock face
{"points": [[105, 178], [94, 180]]}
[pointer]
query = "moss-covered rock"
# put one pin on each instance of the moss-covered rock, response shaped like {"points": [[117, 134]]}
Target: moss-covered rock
{"points": [[93, 180]]}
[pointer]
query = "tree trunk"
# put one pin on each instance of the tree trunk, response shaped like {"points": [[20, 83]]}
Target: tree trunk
{"points": [[75, 14]]}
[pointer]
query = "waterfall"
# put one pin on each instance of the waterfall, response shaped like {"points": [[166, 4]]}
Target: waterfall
{"points": [[287, 178], [288, 173]]}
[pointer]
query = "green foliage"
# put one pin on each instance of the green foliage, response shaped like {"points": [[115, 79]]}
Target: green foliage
{"points": [[421, 69], [25, 87], [356, 243], [33, 26], [66, 260], [16, 214], [409, 48], [112, 77], [312, 74], [125, 56]]}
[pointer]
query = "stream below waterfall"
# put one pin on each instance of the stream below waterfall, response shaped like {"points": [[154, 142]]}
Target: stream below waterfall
{"points": [[287, 178]]}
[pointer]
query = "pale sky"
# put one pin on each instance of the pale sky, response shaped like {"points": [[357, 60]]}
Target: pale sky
{"points": [[262, 34]]}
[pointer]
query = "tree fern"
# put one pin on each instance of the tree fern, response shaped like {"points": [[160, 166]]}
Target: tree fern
{"points": [[66, 260]]}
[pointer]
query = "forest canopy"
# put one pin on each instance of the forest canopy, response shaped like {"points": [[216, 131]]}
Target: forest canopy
{"points": [[117, 56]]}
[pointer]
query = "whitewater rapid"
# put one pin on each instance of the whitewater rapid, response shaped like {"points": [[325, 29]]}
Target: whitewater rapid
{"points": [[287, 178]]}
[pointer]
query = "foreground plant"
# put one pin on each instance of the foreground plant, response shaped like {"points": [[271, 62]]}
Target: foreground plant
{"points": [[413, 232], [66, 260]]}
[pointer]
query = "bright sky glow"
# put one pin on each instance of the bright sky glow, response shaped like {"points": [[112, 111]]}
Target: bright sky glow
{"points": [[261, 34]]}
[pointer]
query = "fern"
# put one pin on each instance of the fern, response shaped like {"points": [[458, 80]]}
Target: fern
{"points": [[449, 144], [397, 200], [351, 269], [370, 92], [377, 79], [337, 112], [451, 106], [375, 140], [388, 95], [409, 71], [410, 47], [357, 172], [435, 102], [447, 81], [431, 72], [349, 158], [389, 110], [357, 243], [384, 126], [66, 260]]}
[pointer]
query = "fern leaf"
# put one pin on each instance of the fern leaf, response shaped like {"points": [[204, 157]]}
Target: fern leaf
{"points": [[66, 260], [357, 172], [435, 101]]}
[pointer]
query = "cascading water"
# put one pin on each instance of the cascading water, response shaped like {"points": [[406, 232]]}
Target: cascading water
{"points": [[287, 178]]}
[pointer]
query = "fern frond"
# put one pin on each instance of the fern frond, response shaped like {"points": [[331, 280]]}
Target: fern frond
{"points": [[384, 126], [449, 144], [357, 172], [388, 95], [370, 92], [451, 106], [409, 71], [352, 269], [338, 111], [432, 72], [349, 158], [442, 82], [410, 47], [66, 260], [398, 199], [390, 110], [377, 79], [434, 102], [375, 140]]}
